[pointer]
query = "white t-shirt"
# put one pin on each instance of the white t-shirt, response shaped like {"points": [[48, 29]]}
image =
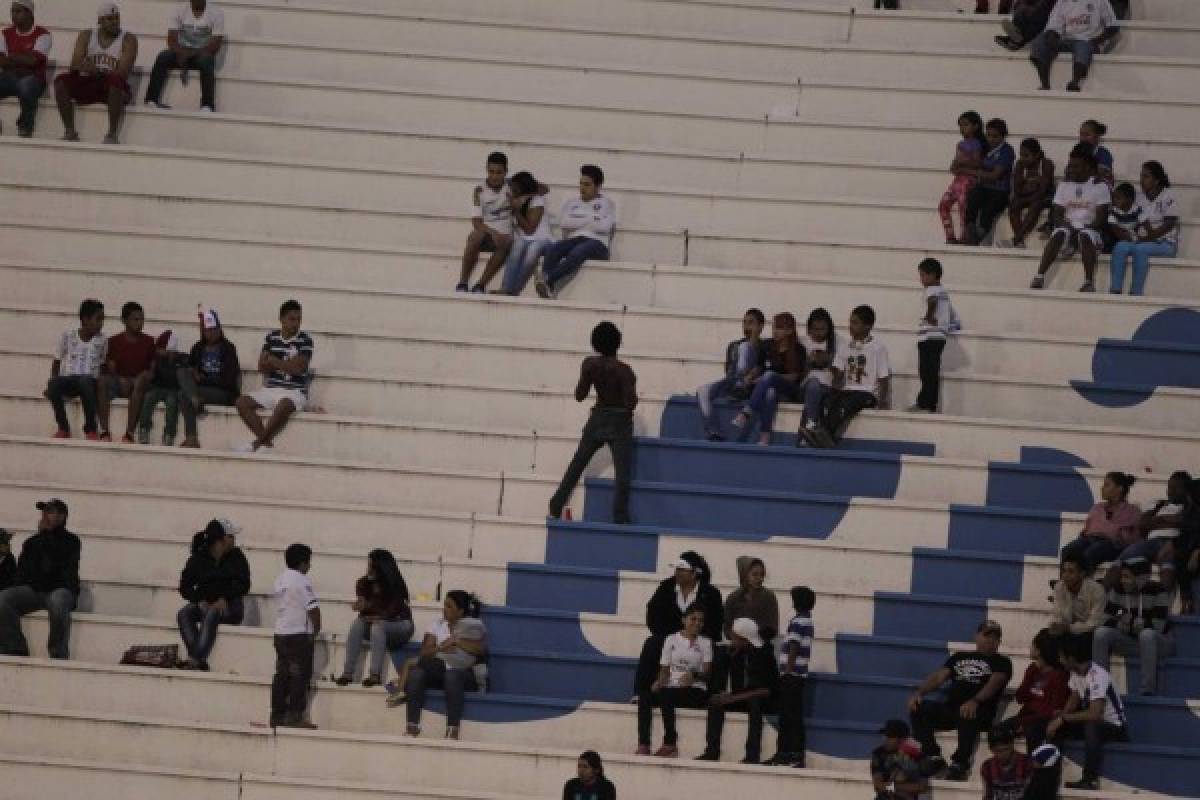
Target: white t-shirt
{"points": [[1081, 201], [542, 232], [941, 313], [681, 657], [1170, 509], [77, 357], [493, 206], [1097, 684], [825, 376], [1158, 209], [294, 598], [1081, 19], [194, 32], [467, 628], [594, 219], [864, 365]]}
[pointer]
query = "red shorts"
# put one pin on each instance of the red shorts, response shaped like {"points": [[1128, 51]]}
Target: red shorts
{"points": [[88, 89]]}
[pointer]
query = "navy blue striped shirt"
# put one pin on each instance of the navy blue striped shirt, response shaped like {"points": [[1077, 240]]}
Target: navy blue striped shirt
{"points": [[283, 349]]}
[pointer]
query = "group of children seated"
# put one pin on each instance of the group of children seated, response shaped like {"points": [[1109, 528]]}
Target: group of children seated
{"points": [[147, 370]]}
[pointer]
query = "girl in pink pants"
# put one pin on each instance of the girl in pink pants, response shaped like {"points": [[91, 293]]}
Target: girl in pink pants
{"points": [[965, 169]]}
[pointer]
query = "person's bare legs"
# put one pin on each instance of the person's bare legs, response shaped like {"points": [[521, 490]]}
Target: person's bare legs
{"points": [[279, 418], [1087, 250], [247, 409], [1049, 255], [116, 107], [496, 262], [137, 395], [66, 109], [471, 255]]}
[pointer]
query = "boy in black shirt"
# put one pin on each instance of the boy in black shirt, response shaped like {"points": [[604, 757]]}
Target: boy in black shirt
{"points": [[973, 683], [611, 420], [754, 685]]}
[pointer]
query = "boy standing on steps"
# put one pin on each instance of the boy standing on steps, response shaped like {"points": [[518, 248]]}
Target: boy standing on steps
{"points": [[76, 367], [861, 377], [491, 224], [611, 420], [297, 623], [931, 337], [793, 672]]}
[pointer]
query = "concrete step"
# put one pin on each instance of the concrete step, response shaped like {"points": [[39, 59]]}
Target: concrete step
{"points": [[33, 776]]}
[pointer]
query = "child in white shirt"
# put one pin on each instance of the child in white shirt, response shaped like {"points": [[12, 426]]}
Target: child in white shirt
{"points": [[297, 623], [77, 360], [587, 224], [862, 378], [936, 323]]}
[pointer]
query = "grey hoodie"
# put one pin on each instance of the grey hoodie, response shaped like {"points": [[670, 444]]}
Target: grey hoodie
{"points": [[759, 605]]}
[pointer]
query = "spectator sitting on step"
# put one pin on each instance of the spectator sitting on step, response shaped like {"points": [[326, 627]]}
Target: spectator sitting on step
{"points": [[1136, 623], [1042, 693], [164, 388], [284, 362], [451, 648], [1187, 554], [8, 563], [195, 34], [297, 625], [690, 584], [24, 48], [862, 379], [685, 669], [744, 359], [974, 684], [215, 583], [589, 782], [794, 658], [587, 224], [491, 225], [1028, 19], [127, 371], [1078, 602], [1110, 527], [99, 73], [968, 155], [1007, 774], [987, 201], [1093, 713], [531, 232], [212, 375], [895, 764], [384, 618], [753, 688], [1161, 527], [782, 377], [1158, 234], [1078, 27], [1091, 135], [1078, 218], [1124, 218], [75, 370], [1032, 191], [820, 348], [46, 579]]}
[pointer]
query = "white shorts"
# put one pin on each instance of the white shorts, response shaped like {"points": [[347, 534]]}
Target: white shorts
{"points": [[1089, 233], [269, 396]]}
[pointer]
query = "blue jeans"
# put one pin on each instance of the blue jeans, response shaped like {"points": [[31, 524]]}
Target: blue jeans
{"points": [[204, 63], [1141, 252], [707, 394], [384, 636], [1145, 550], [764, 400], [198, 626], [1046, 47], [17, 601], [520, 263], [814, 396], [28, 90], [1094, 550], [562, 259], [81, 386]]}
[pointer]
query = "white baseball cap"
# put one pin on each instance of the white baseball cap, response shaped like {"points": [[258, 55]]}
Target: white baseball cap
{"points": [[748, 630], [107, 9], [210, 319]]}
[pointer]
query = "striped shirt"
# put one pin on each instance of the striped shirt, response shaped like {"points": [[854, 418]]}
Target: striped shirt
{"points": [[283, 349], [1131, 612], [799, 637]]}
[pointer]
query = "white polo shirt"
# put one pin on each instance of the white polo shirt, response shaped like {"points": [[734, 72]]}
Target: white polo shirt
{"points": [[1096, 684], [294, 598], [682, 657], [1080, 201]]}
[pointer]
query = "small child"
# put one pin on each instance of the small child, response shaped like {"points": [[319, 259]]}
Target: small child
{"points": [[938, 321], [76, 369], [164, 388], [862, 377], [611, 421], [1006, 775], [743, 363], [793, 671], [895, 764], [297, 623], [285, 362], [491, 224], [968, 156], [1124, 218]]}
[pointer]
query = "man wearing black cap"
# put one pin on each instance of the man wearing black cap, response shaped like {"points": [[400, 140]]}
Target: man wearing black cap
{"points": [[47, 578], [895, 768]]}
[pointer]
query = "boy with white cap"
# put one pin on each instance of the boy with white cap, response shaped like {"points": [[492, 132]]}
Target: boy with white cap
{"points": [[211, 376], [99, 73], [24, 48], [754, 684]]}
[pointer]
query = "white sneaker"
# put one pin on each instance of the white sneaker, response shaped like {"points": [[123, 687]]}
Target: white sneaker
{"points": [[157, 105], [207, 110], [245, 447]]}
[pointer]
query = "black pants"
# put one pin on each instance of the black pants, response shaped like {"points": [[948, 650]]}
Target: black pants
{"points": [[841, 406], [983, 206], [204, 63], [1094, 736], [792, 737], [81, 386], [890, 5], [1033, 22], [605, 426], [754, 709], [293, 671], [432, 673], [933, 716], [667, 700], [647, 666], [929, 368]]}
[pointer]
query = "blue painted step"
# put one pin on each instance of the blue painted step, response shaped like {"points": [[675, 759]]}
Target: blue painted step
{"points": [[603, 545], [967, 573], [928, 616], [562, 588], [1164, 351]]}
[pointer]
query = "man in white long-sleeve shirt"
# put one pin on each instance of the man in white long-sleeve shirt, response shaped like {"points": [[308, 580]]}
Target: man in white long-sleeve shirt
{"points": [[1079, 27], [587, 224]]}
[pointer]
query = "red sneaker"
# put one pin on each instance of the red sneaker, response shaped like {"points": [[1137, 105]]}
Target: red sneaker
{"points": [[667, 751], [642, 750], [61, 434], [104, 437], [127, 439], [92, 436]]}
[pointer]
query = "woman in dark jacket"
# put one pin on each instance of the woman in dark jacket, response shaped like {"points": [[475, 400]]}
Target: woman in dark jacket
{"points": [[691, 583], [215, 582], [589, 782], [213, 375], [384, 618]]}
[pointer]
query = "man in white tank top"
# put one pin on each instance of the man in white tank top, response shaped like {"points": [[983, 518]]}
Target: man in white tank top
{"points": [[100, 68]]}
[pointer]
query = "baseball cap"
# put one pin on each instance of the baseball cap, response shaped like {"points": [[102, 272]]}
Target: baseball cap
{"points": [[895, 729], [681, 563], [53, 504], [167, 340], [989, 627], [209, 319], [24, 4], [748, 630], [107, 9], [222, 526]]}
